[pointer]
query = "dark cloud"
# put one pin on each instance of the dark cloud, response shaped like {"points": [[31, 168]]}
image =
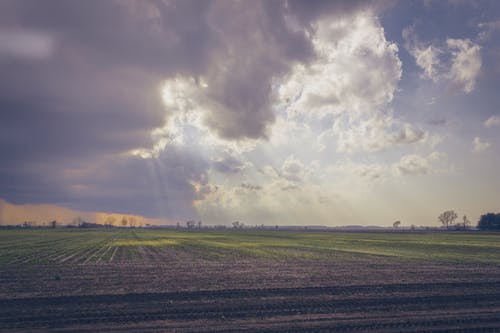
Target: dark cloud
{"points": [[81, 83], [256, 45], [440, 122], [164, 186], [308, 11]]}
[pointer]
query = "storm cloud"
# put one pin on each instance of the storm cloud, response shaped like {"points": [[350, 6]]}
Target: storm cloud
{"points": [[208, 110], [81, 84]]}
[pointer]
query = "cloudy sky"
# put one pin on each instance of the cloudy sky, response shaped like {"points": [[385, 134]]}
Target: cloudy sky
{"points": [[268, 112]]}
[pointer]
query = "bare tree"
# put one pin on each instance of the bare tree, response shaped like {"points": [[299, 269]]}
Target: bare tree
{"points": [[77, 221], [396, 224], [466, 222], [447, 218], [199, 224]]}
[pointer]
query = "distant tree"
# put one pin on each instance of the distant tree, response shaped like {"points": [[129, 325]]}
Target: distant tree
{"points": [[124, 221], [77, 221], [199, 224], [396, 224], [190, 224], [489, 221], [465, 222], [236, 224], [447, 218], [53, 224], [132, 221], [110, 220]]}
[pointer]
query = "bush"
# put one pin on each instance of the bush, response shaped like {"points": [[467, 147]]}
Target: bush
{"points": [[489, 221]]}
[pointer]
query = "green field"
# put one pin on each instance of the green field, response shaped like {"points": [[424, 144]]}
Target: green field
{"points": [[42, 246]]}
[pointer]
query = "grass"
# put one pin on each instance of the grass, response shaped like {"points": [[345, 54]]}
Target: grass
{"points": [[81, 246]]}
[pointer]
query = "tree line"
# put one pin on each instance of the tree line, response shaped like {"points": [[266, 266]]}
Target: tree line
{"points": [[489, 221]]}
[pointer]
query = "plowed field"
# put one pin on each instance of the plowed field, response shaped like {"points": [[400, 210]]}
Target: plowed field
{"points": [[248, 281]]}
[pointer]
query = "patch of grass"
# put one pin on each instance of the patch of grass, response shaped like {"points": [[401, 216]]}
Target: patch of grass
{"points": [[154, 243], [46, 246]]}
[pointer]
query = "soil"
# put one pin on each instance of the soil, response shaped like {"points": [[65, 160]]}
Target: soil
{"points": [[176, 292]]}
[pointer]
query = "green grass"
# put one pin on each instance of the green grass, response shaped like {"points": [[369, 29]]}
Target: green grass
{"points": [[33, 246]]}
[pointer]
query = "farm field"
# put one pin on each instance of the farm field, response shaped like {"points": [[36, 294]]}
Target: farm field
{"points": [[157, 280]]}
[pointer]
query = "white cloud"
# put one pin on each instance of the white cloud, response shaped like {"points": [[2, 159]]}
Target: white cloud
{"points": [[426, 56], [374, 133], [293, 169], [414, 164], [479, 145], [466, 63], [457, 61], [354, 77], [492, 121], [355, 67], [488, 28], [369, 172]]}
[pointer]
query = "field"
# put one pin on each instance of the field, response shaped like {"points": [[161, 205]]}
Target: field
{"points": [[157, 280]]}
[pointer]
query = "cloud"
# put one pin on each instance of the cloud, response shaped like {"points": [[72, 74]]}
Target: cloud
{"points": [[374, 133], [368, 172], [293, 169], [426, 56], [97, 95], [479, 145], [251, 187], [457, 61], [354, 67], [488, 29], [492, 121], [228, 164], [466, 63], [413, 165], [256, 46], [165, 186], [353, 78], [25, 45]]}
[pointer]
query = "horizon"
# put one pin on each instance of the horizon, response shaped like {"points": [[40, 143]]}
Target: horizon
{"points": [[287, 113]]}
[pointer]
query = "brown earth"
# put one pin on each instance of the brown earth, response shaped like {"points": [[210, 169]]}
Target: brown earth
{"points": [[188, 294]]}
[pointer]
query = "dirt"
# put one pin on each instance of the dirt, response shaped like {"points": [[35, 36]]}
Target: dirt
{"points": [[183, 293]]}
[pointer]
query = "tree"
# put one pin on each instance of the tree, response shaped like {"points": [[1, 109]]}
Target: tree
{"points": [[447, 218], [236, 224], [124, 221], [396, 224], [110, 220], [190, 224], [466, 222], [77, 221], [199, 224], [489, 221]]}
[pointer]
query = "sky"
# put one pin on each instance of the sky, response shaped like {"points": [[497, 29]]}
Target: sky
{"points": [[266, 112]]}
